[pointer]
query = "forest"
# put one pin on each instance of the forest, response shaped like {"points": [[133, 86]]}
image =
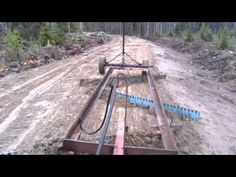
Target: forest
{"points": [[31, 30], [20, 40]]}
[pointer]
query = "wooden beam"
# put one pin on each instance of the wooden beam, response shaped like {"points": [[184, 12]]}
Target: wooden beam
{"points": [[119, 148]]}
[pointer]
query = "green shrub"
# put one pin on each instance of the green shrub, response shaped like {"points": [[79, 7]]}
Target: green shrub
{"points": [[189, 37], [64, 27], [223, 39], [178, 32], [206, 34], [77, 39], [11, 42], [35, 47], [54, 34], [25, 43], [82, 40], [170, 34], [157, 35]]}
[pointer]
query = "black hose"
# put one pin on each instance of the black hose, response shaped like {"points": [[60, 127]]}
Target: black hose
{"points": [[108, 118], [106, 112], [103, 121], [171, 123]]}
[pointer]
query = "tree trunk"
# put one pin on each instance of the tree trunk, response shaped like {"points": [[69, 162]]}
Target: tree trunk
{"points": [[81, 26], [148, 26], [68, 25], [234, 25], [225, 25], [203, 24], [161, 28], [132, 28], [9, 27], [139, 29]]}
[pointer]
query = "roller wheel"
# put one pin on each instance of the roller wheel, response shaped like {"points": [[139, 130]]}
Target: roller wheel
{"points": [[101, 66]]}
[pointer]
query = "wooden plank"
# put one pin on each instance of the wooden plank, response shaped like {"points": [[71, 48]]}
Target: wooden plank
{"points": [[119, 148]]}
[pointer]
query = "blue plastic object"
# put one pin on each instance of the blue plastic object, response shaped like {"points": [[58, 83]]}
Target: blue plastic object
{"points": [[9, 153], [184, 112]]}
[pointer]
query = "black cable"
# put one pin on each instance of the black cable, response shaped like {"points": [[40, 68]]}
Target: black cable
{"points": [[108, 118], [91, 133], [171, 123]]}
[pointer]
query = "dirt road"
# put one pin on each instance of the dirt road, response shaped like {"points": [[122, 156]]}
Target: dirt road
{"points": [[38, 106]]}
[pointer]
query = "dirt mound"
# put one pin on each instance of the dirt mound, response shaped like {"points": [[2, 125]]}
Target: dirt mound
{"points": [[75, 44], [150, 139], [208, 57], [183, 47]]}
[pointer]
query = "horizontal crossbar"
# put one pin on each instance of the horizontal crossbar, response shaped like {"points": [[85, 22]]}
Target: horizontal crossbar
{"points": [[90, 148]]}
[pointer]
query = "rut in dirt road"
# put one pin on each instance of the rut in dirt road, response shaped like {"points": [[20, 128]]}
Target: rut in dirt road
{"points": [[25, 105]]}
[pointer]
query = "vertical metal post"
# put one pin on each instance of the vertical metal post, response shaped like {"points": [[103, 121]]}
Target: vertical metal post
{"points": [[123, 45]]}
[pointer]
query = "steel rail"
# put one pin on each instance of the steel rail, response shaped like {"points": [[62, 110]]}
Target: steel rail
{"points": [[128, 65], [108, 118], [166, 133], [90, 103]]}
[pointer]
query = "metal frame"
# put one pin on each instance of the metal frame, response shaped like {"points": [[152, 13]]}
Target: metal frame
{"points": [[90, 103], [122, 65], [128, 65], [107, 120], [83, 147], [78, 146], [71, 144]]}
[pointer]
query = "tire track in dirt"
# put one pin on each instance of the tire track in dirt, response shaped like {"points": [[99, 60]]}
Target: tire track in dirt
{"points": [[33, 93], [18, 92], [211, 134], [95, 50], [11, 101], [33, 124], [60, 104], [30, 81], [77, 70]]}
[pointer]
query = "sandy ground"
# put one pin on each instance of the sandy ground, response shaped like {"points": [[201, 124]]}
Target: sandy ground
{"points": [[191, 87], [37, 107]]}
